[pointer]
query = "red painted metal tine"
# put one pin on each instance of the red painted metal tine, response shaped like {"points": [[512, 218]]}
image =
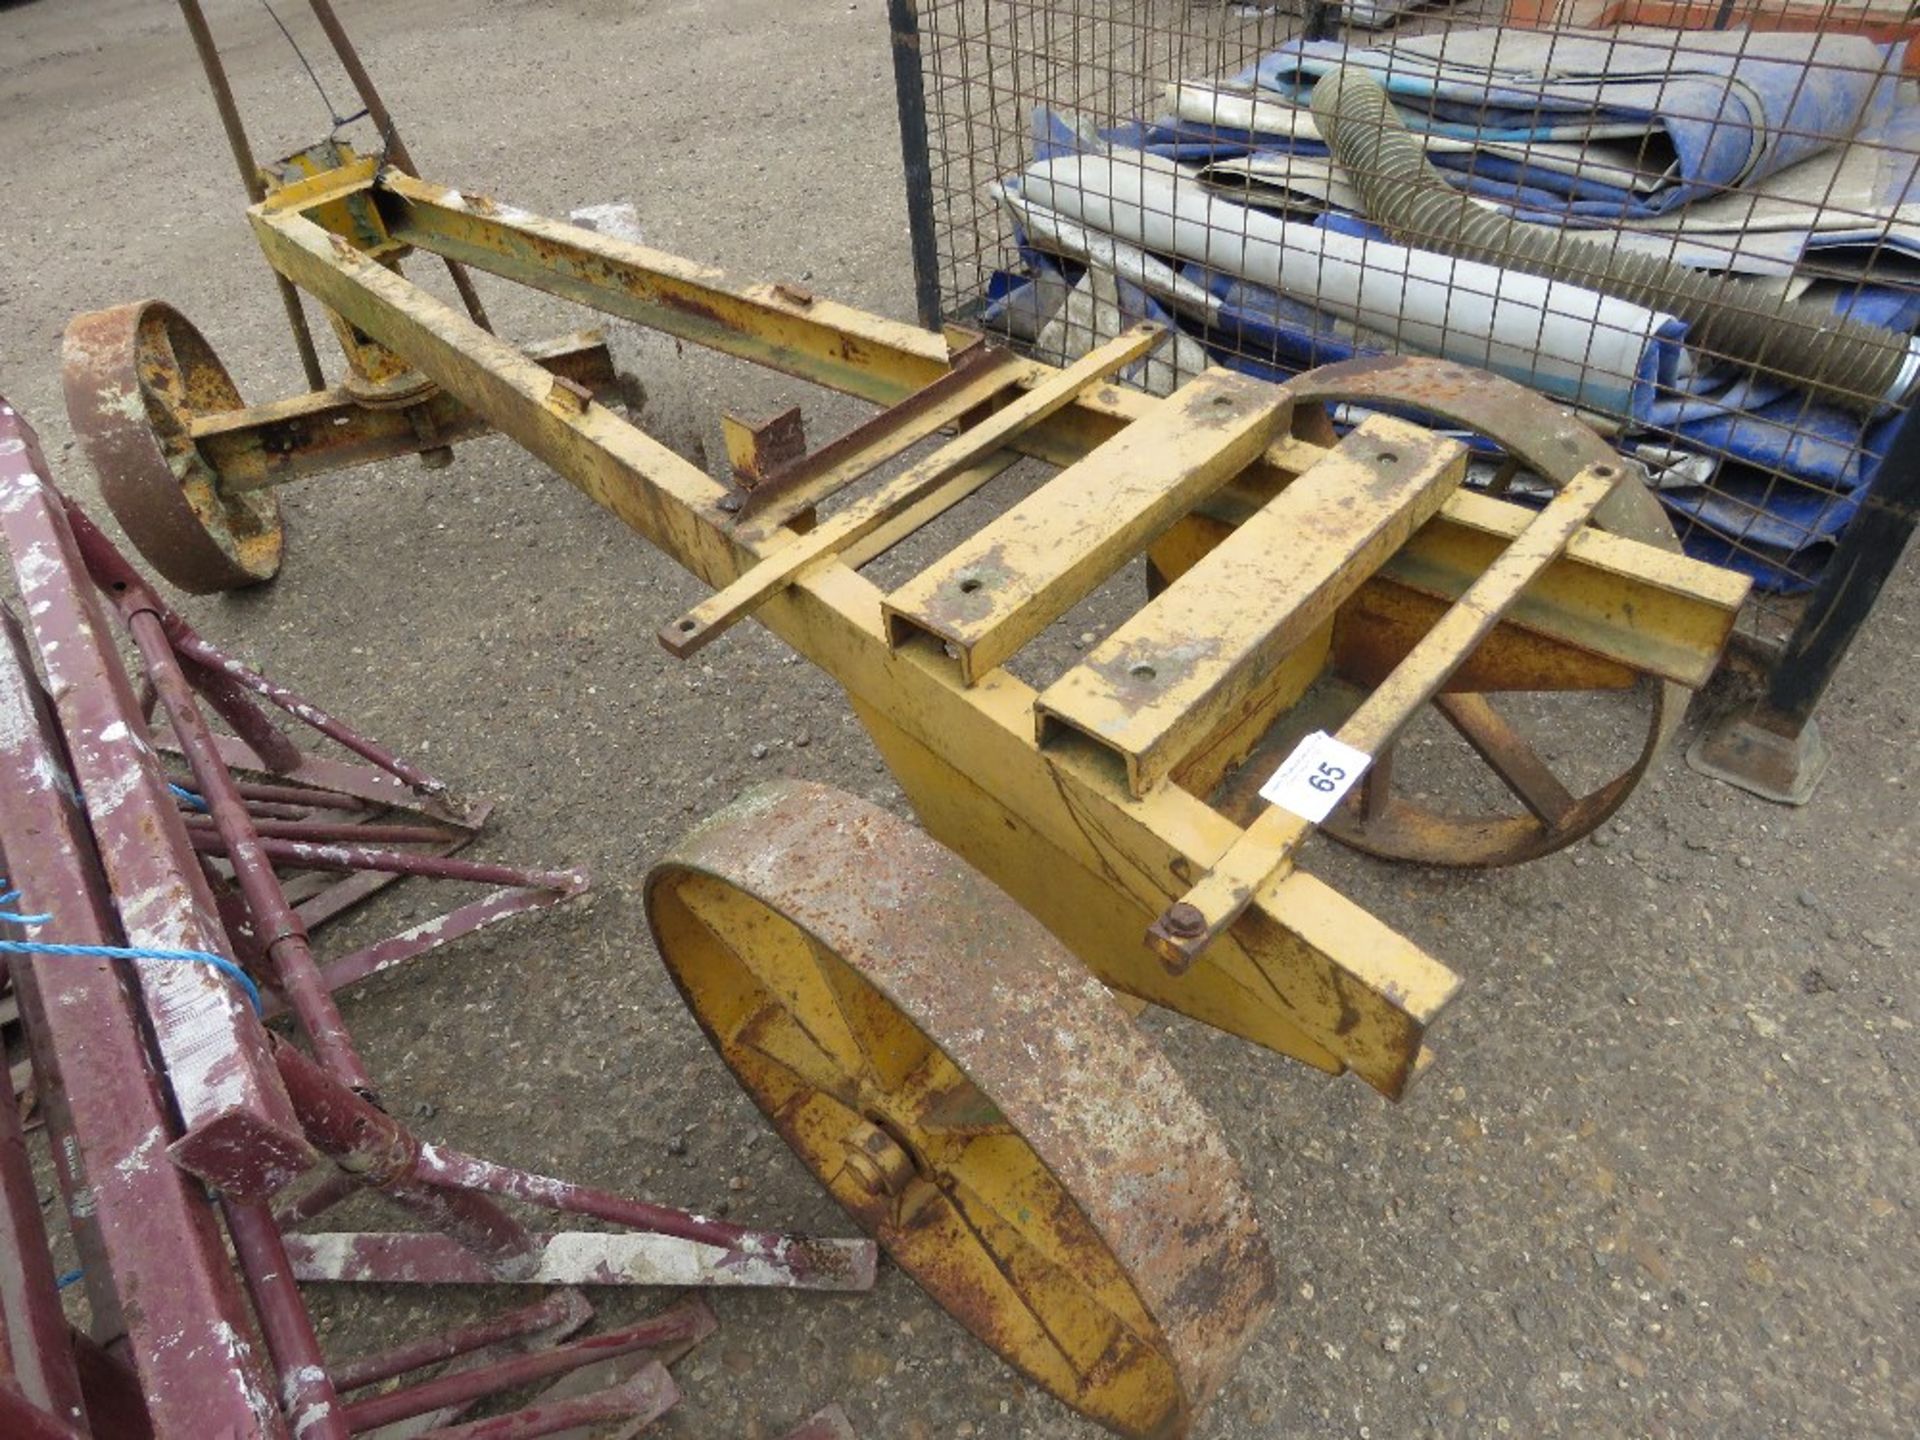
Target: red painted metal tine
{"points": [[689, 1319], [644, 1398], [327, 831], [401, 862], [305, 1392], [557, 1309], [430, 934], [801, 1258], [112, 572]]}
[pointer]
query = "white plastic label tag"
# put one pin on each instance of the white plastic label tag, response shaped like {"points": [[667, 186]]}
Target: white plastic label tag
{"points": [[1313, 778]]}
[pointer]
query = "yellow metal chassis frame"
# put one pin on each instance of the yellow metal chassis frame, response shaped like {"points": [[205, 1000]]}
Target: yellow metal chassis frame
{"points": [[1304, 971]]}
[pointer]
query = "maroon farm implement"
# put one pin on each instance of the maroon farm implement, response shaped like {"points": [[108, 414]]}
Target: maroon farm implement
{"points": [[164, 877]]}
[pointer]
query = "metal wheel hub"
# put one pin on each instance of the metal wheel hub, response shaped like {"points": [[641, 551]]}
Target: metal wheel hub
{"points": [[977, 1100]]}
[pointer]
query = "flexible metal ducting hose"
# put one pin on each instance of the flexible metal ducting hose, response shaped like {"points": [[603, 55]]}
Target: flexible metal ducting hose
{"points": [[1852, 363]]}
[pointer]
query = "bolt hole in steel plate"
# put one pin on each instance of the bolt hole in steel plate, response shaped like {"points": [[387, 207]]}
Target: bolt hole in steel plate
{"points": [[136, 378], [1531, 811], [972, 1095]]}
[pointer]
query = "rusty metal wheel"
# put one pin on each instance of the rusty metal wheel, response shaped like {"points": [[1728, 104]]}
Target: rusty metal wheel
{"points": [[137, 378], [1538, 811], [972, 1095]]}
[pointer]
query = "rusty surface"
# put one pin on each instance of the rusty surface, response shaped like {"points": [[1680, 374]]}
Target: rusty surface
{"points": [[1555, 445], [334, 429], [1060, 1062], [1552, 441], [135, 378], [759, 449], [880, 434]]}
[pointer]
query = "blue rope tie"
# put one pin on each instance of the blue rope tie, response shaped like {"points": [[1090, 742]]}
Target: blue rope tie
{"points": [[70, 1279], [121, 952], [194, 802]]}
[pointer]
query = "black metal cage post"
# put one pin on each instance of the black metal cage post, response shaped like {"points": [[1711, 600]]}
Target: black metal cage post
{"points": [[1712, 208]]}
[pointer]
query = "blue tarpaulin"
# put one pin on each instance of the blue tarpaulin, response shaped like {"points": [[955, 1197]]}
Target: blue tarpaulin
{"points": [[1725, 110], [1789, 472]]}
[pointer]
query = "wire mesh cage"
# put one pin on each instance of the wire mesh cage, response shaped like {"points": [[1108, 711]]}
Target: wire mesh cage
{"points": [[1696, 224]]}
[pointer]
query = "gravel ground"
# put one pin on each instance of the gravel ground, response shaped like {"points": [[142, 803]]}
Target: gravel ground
{"points": [[1662, 1181]]}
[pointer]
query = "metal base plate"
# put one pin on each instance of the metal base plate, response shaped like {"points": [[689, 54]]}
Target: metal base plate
{"points": [[1775, 764]]}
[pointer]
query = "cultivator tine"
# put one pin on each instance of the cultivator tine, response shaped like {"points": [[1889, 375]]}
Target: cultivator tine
{"points": [[688, 1321], [1265, 852], [645, 1397], [556, 1317]]}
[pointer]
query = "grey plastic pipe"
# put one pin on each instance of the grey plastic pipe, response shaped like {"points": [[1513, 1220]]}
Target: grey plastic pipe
{"points": [[1849, 362]]}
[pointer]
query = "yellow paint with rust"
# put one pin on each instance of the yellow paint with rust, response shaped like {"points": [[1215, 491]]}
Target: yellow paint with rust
{"points": [[905, 1141], [1303, 970], [1017, 574], [1195, 660], [1263, 856]]}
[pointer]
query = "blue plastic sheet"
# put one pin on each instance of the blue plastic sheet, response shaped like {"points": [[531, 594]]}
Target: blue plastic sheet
{"points": [[1730, 116], [1790, 471]]}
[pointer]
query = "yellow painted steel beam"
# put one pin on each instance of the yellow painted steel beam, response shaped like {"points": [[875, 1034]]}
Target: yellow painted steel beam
{"points": [[1023, 570], [1652, 609], [1647, 608], [1342, 988], [328, 430], [969, 454], [1151, 695], [1268, 847]]}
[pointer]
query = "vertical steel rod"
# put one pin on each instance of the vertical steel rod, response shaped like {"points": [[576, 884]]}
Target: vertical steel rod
{"points": [[1862, 562], [390, 136], [916, 161], [278, 928], [307, 1395], [236, 130]]}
